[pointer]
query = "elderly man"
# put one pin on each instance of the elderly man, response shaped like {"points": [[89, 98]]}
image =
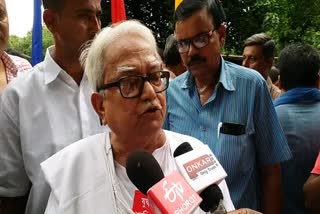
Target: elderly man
{"points": [[258, 54], [228, 107], [89, 176], [10, 65], [298, 110], [48, 108]]}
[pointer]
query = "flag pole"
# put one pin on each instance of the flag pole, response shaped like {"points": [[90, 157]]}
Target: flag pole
{"points": [[36, 51], [118, 12]]}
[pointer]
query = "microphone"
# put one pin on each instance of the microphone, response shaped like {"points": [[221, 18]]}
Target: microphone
{"points": [[171, 194], [202, 162], [143, 170]]}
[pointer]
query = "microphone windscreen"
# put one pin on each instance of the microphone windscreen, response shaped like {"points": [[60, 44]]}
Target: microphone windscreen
{"points": [[211, 196], [182, 148], [143, 170]]}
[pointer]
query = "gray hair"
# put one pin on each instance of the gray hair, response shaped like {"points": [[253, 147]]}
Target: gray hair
{"points": [[93, 58], [263, 40]]}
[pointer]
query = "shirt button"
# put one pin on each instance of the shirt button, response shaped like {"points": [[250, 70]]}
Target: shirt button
{"points": [[203, 129]]}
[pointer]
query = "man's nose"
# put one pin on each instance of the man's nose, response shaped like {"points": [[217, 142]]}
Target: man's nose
{"points": [[148, 91], [245, 63], [95, 24], [192, 50]]}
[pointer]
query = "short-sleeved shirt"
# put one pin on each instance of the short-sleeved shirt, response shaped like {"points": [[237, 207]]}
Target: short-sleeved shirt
{"points": [[241, 97], [41, 112], [316, 168], [300, 125], [14, 65]]}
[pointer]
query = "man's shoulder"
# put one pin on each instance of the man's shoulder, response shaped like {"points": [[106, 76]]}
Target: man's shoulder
{"points": [[179, 80], [27, 80], [83, 152], [78, 148], [243, 73], [85, 160], [19, 61]]}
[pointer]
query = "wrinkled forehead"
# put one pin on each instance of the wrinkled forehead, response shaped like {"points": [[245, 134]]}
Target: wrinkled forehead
{"points": [[131, 53], [253, 50]]}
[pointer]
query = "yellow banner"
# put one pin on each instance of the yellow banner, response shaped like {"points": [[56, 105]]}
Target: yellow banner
{"points": [[176, 3]]}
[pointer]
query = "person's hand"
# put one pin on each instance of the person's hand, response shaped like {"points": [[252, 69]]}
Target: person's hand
{"points": [[244, 211]]}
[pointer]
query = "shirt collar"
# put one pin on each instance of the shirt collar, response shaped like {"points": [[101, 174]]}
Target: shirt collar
{"points": [[51, 68], [9, 64], [226, 79], [269, 83]]}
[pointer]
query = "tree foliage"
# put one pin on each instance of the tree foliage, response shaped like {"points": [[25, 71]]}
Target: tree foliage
{"points": [[157, 15], [24, 44], [290, 21], [287, 21]]}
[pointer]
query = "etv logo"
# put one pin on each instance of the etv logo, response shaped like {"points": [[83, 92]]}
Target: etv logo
{"points": [[199, 164]]}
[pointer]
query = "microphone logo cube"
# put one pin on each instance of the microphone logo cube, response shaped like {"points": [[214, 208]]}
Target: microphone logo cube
{"points": [[202, 163], [173, 191], [200, 168], [174, 195]]}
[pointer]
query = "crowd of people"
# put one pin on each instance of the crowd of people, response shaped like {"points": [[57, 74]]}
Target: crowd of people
{"points": [[68, 125]]}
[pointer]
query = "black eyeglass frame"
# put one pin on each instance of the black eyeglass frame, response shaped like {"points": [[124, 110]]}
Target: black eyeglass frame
{"points": [[165, 74], [189, 41]]}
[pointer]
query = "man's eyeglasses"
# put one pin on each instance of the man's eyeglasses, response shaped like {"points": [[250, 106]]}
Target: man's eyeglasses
{"points": [[199, 41], [132, 86]]}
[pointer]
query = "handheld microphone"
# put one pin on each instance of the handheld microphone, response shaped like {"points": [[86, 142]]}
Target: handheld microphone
{"points": [[211, 195], [171, 194]]}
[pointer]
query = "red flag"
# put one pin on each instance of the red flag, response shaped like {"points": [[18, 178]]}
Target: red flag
{"points": [[118, 12]]}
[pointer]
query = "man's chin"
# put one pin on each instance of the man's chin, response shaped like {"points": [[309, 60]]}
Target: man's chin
{"points": [[197, 70]]}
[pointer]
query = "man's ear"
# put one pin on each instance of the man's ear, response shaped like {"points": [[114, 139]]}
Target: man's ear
{"points": [[222, 31], [97, 103], [50, 19]]}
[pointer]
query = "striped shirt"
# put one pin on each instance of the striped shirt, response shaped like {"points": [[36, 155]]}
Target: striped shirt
{"points": [[240, 97]]}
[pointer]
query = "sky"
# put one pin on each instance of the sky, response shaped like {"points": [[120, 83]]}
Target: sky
{"points": [[20, 14]]}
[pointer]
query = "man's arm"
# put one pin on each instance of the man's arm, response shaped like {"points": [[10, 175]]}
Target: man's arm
{"points": [[271, 189], [14, 182], [312, 192], [311, 188]]}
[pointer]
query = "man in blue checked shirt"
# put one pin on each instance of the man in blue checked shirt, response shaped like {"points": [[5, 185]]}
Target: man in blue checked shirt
{"points": [[228, 107]]}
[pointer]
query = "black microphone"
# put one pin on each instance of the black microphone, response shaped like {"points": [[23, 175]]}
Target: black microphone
{"points": [[143, 170], [170, 194], [211, 195]]}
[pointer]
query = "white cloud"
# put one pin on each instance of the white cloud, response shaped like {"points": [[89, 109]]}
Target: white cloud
{"points": [[20, 14]]}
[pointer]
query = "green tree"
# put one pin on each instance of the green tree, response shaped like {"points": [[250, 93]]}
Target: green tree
{"points": [[244, 18], [24, 44], [293, 21], [157, 15]]}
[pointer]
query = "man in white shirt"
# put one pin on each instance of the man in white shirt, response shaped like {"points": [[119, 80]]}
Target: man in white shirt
{"points": [[49, 108]]}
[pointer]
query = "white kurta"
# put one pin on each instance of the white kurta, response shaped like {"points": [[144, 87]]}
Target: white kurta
{"points": [[84, 180], [42, 111]]}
